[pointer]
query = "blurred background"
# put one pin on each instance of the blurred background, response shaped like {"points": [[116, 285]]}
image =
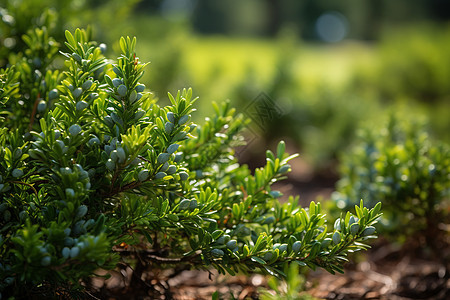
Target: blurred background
{"points": [[310, 72]]}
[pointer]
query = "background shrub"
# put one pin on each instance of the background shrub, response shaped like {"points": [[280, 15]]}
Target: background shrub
{"points": [[411, 66], [401, 166]]}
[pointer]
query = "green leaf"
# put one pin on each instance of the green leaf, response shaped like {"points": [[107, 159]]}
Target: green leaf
{"points": [[260, 242], [172, 217], [215, 296], [147, 236], [164, 207], [312, 208], [123, 45], [236, 211], [300, 263], [70, 39], [258, 260], [193, 243], [229, 270], [359, 212], [245, 251], [375, 210], [280, 149], [270, 155]]}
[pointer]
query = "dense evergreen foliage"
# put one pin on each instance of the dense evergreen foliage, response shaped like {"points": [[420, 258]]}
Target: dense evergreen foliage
{"points": [[94, 172]]}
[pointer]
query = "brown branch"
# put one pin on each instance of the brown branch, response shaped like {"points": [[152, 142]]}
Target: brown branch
{"points": [[33, 113], [126, 187], [113, 181], [143, 158], [27, 184], [165, 260]]}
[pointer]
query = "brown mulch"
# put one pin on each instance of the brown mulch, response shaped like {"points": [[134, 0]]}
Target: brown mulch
{"points": [[388, 273], [188, 285]]}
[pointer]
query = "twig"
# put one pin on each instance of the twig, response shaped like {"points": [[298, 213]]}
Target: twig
{"points": [[33, 113], [92, 296], [159, 259], [27, 184]]}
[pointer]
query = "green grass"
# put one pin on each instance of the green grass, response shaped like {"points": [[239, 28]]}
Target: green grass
{"points": [[226, 61]]}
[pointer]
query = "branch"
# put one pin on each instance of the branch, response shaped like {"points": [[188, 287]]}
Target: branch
{"points": [[27, 184], [165, 260], [33, 113]]}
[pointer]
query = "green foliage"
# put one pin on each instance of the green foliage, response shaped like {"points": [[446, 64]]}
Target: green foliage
{"points": [[19, 18], [102, 174], [8, 88], [411, 64], [399, 165], [290, 289], [36, 76]]}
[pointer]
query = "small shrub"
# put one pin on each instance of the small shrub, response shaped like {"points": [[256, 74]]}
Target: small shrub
{"points": [[411, 63], [411, 66], [18, 18], [95, 172], [292, 288], [403, 168]]}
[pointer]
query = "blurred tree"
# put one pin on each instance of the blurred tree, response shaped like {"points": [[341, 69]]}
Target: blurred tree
{"points": [[366, 18], [149, 6], [440, 9], [210, 16], [275, 17]]}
